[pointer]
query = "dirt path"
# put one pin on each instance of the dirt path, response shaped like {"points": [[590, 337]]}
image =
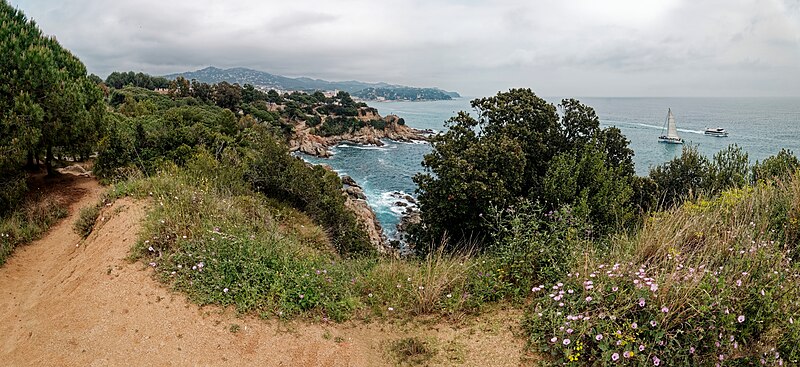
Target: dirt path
{"points": [[64, 302]]}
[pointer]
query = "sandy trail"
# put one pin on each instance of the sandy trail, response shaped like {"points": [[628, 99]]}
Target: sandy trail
{"points": [[66, 302]]}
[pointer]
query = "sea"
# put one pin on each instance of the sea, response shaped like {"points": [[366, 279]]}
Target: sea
{"points": [[761, 126]]}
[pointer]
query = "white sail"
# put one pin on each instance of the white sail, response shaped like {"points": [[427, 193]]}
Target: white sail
{"points": [[672, 131]]}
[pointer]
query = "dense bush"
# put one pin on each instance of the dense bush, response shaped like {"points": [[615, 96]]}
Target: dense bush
{"points": [[519, 148], [692, 174], [338, 125], [312, 189]]}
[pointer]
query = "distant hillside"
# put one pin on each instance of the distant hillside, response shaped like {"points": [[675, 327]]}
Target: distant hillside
{"points": [[404, 94], [267, 80]]}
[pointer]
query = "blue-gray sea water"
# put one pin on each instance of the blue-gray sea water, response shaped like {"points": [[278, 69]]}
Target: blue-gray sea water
{"points": [[761, 126]]}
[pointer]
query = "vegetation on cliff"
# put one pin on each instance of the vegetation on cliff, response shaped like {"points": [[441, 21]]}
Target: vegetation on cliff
{"points": [[693, 265], [404, 94]]}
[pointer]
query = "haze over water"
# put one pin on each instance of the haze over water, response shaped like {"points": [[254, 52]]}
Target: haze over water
{"points": [[761, 126]]}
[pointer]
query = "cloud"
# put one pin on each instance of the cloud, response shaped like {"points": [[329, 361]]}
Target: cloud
{"points": [[583, 47]]}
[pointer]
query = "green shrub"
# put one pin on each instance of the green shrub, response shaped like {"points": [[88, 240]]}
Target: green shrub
{"points": [[531, 246], [84, 225], [311, 189]]}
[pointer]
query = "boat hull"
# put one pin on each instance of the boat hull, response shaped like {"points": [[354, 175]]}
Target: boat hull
{"points": [[664, 139], [719, 135]]}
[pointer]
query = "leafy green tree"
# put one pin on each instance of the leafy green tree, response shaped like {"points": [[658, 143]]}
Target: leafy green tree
{"points": [[47, 100], [517, 148], [730, 168], [681, 177], [228, 95], [779, 166]]}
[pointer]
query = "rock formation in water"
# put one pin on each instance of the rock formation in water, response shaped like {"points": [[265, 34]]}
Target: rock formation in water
{"points": [[304, 138]]}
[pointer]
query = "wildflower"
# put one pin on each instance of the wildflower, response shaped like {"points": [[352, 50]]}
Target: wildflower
{"points": [[627, 354], [656, 361], [553, 340], [449, 295], [664, 309], [634, 326], [615, 357], [691, 350], [641, 302], [153, 264], [599, 337], [614, 289], [369, 295], [740, 319], [653, 323], [302, 296], [225, 290], [391, 308], [641, 347], [566, 341], [589, 299], [739, 283]]}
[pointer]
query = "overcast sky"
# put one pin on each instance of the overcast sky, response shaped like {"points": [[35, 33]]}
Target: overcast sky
{"points": [[558, 48]]}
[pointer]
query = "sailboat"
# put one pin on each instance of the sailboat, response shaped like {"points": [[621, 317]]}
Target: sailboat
{"points": [[672, 131]]}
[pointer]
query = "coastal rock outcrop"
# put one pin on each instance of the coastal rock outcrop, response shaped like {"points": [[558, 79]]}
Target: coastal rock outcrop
{"points": [[392, 127], [357, 202]]}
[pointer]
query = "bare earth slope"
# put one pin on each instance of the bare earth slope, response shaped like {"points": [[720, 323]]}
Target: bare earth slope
{"points": [[64, 302]]}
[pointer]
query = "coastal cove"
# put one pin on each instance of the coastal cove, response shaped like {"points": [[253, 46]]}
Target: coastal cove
{"points": [[761, 126]]}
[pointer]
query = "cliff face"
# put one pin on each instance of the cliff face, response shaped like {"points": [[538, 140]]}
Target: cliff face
{"points": [[305, 141], [357, 202]]}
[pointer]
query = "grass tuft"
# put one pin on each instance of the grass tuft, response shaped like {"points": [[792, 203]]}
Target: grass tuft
{"points": [[413, 351], [84, 225]]}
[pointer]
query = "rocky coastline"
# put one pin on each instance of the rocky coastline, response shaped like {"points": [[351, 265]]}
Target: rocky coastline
{"points": [[305, 141], [357, 202]]}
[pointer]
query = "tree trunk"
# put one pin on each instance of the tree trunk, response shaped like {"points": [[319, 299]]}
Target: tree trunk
{"points": [[30, 160], [48, 161]]}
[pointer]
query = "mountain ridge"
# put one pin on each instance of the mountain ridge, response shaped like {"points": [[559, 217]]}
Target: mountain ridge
{"points": [[242, 75]]}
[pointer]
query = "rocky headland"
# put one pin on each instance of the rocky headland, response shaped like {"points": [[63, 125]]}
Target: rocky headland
{"points": [[305, 139]]}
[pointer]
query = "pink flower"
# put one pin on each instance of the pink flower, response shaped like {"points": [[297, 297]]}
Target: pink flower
{"points": [[634, 326], [740, 319], [641, 302], [553, 340], [656, 361], [615, 357], [599, 337], [653, 323], [566, 341], [641, 347], [614, 289], [691, 350], [626, 354], [589, 299], [664, 309]]}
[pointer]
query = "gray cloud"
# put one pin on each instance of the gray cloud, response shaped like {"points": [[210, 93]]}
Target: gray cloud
{"points": [[575, 48]]}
